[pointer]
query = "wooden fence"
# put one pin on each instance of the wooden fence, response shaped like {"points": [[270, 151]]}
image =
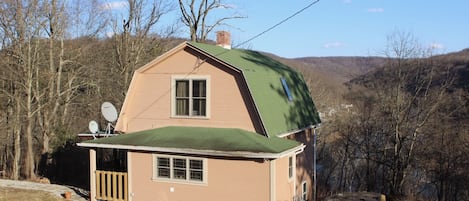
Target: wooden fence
{"points": [[111, 186]]}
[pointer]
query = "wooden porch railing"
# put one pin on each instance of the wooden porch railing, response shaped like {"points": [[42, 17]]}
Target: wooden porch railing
{"points": [[111, 186]]}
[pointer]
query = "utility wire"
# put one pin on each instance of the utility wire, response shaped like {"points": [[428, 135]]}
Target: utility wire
{"points": [[278, 24]]}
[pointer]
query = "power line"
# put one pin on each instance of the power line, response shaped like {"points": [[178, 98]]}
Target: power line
{"points": [[278, 24]]}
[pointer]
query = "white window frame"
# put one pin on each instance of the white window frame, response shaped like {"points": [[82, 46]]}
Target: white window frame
{"points": [[187, 169], [304, 191], [175, 78], [292, 168]]}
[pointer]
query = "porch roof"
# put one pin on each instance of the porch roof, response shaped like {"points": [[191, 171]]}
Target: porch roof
{"points": [[200, 140]]}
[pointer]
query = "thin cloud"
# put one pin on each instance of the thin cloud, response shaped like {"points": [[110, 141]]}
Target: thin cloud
{"points": [[347, 1], [375, 10], [435, 46], [114, 5], [333, 45]]}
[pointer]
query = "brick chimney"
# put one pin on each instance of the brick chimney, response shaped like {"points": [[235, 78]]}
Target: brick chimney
{"points": [[224, 39]]}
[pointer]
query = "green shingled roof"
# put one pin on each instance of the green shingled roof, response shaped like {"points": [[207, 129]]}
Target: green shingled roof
{"points": [[263, 76], [199, 138]]}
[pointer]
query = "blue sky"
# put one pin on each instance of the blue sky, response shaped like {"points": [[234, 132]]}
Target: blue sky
{"points": [[347, 27]]}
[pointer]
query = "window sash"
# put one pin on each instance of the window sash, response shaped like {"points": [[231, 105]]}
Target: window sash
{"points": [[179, 168], [196, 170], [191, 97], [304, 191], [163, 167]]}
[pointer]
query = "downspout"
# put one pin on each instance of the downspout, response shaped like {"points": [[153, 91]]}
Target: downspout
{"points": [[272, 179], [314, 161]]}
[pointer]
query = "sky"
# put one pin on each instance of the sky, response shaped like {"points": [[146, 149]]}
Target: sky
{"points": [[345, 27]]}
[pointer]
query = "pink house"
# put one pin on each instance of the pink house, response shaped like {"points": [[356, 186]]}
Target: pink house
{"points": [[207, 122]]}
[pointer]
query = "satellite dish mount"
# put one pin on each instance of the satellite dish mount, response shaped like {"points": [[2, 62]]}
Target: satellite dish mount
{"points": [[110, 114]]}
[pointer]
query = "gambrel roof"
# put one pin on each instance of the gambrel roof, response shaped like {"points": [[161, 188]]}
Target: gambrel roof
{"points": [[280, 113], [281, 100]]}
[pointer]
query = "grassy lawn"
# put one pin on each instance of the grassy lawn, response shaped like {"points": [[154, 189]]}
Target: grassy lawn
{"points": [[15, 194]]}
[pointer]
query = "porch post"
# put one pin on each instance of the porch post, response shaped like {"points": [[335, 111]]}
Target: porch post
{"points": [[92, 174]]}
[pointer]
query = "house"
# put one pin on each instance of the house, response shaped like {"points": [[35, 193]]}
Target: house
{"points": [[207, 122]]}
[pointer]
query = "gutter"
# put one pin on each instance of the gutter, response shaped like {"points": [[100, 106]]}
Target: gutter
{"points": [[242, 154]]}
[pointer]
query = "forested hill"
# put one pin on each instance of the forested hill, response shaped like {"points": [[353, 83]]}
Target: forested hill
{"points": [[326, 76], [453, 66]]}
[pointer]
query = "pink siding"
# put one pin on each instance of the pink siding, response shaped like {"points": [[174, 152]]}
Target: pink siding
{"points": [[304, 161], [228, 180], [285, 187], [149, 102]]}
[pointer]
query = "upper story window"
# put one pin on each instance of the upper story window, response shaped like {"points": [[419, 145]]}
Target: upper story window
{"points": [[190, 96], [183, 169]]}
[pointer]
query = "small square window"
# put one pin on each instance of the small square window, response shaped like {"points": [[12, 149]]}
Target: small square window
{"points": [[190, 96]]}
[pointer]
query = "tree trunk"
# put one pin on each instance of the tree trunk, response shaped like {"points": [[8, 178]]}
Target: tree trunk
{"points": [[17, 143]]}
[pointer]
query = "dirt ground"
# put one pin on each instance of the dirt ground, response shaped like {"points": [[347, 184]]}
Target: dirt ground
{"points": [[12, 190]]}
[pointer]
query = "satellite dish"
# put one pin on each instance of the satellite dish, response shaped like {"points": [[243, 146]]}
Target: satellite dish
{"points": [[109, 111], [93, 126]]}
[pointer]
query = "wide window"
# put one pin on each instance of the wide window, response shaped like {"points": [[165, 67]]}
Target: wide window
{"points": [[190, 97], [179, 168]]}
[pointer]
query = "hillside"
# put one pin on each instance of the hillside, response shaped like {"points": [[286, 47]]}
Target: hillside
{"points": [[455, 64], [326, 76]]}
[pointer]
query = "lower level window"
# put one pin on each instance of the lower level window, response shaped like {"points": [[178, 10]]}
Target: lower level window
{"points": [[304, 191], [179, 168]]}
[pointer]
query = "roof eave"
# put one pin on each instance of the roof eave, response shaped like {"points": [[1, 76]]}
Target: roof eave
{"points": [[241, 154]]}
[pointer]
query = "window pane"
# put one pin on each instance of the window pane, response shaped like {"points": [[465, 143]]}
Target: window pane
{"points": [[198, 88], [179, 173], [182, 106], [196, 164], [199, 108], [179, 163], [163, 172], [290, 167], [182, 88], [163, 162], [196, 175]]}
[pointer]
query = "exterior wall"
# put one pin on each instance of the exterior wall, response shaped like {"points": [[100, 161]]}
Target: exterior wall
{"points": [[304, 161], [285, 187], [149, 102], [228, 180]]}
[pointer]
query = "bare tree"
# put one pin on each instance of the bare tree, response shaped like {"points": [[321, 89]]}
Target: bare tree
{"points": [[136, 37], [194, 15]]}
